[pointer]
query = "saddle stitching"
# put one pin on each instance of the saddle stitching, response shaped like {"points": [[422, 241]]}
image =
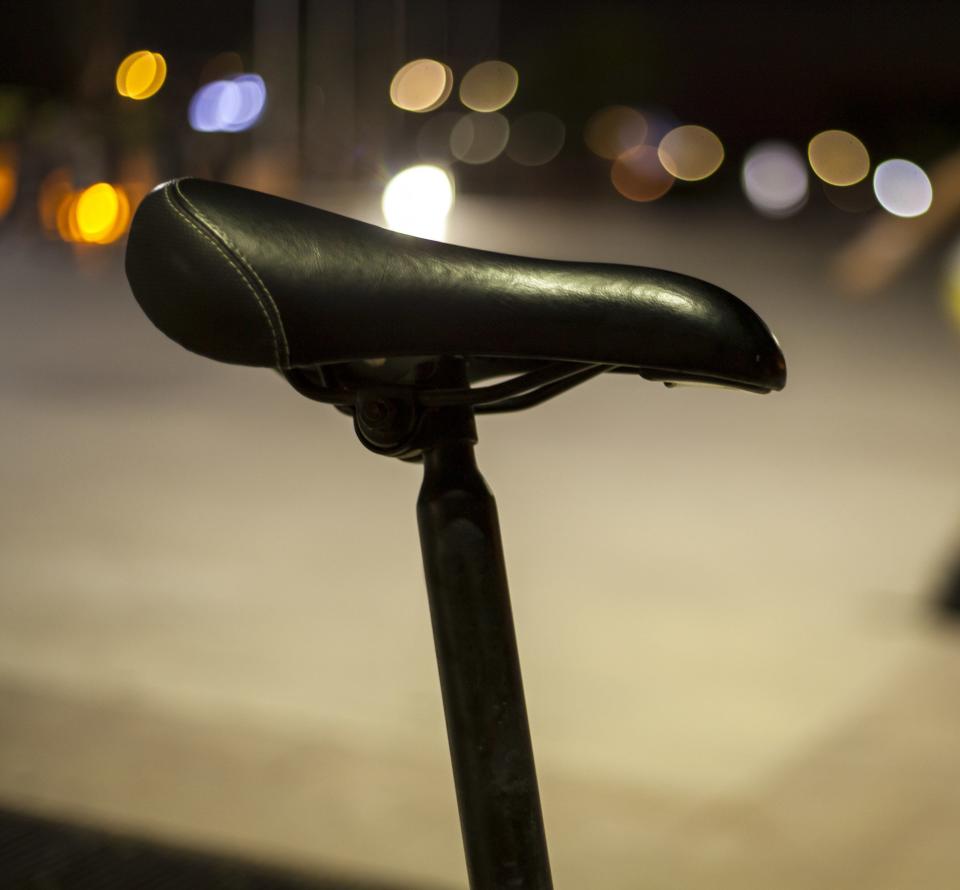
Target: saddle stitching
{"points": [[245, 263], [207, 236]]}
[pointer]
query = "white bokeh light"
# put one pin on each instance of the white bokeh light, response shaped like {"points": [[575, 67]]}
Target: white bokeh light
{"points": [[902, 188], [775, 178], [417, 201]]}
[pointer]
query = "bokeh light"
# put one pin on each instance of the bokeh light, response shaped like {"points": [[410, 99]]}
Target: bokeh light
{"points": [[774, 178], [67, 226], [433, 139], [902, 188], [228, 106], [97, 209], [535, 138], [122, 221], [615, 129], [478, 138], [690, 152], [838, 157], [489, 86], [141, 74], [417, 201], [101, 212], [8, 180], [421, 85], [638, 174]]}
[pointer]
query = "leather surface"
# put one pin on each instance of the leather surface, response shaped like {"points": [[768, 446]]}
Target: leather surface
{"points": [[253, 279]]}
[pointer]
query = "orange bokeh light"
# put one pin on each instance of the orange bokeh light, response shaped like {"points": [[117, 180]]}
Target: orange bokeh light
{"points": [[638, 174], [8, 180], [614, 130], [55, 188], [98, 214]]}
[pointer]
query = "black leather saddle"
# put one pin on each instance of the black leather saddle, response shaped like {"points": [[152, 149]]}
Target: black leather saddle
{"points": [[253, 279]]}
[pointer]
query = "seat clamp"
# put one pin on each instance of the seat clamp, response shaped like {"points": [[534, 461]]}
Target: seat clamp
{"points": [[386, 419]]}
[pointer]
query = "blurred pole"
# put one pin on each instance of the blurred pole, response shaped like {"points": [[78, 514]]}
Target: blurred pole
{"points": [[276, 45], [380, 52], [329, 101], [352, 48]]}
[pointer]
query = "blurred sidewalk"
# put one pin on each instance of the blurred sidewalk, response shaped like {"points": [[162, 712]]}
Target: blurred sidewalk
{"points": [[213, 627]]}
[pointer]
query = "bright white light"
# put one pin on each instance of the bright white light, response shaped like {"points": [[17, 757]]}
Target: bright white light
{"points": [[228, 106], [417, 200], [902, 188], [775, 178]]}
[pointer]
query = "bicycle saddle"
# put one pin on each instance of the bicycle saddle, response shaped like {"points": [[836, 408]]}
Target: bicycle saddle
{"points": [[249, 278]]}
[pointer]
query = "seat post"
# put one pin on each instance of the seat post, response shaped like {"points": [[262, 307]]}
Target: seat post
{"points": [[476, 646]]}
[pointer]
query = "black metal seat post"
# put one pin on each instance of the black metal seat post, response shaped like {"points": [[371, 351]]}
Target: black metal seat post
{"points": [[476, 646], [486, 715]]}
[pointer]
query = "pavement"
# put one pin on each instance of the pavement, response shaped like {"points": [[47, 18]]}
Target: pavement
{"points": [[213, 629]]}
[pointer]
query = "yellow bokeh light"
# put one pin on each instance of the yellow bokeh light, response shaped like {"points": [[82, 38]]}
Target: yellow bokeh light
{"points": [[124, 68], [690, 152], [421, 85], [97, 215], [122, 220], [615, 129], [141, 74], [489, 86], [97, 209], [838, 157]]}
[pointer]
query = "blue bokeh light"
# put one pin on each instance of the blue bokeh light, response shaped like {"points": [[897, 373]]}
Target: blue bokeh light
{"points": [[228, 106]]}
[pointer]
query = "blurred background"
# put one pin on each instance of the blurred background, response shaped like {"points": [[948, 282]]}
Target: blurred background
{"points": [[735, 613]]}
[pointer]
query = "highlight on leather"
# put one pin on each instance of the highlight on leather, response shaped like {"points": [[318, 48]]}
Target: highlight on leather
{"points": [[244, 277]]}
